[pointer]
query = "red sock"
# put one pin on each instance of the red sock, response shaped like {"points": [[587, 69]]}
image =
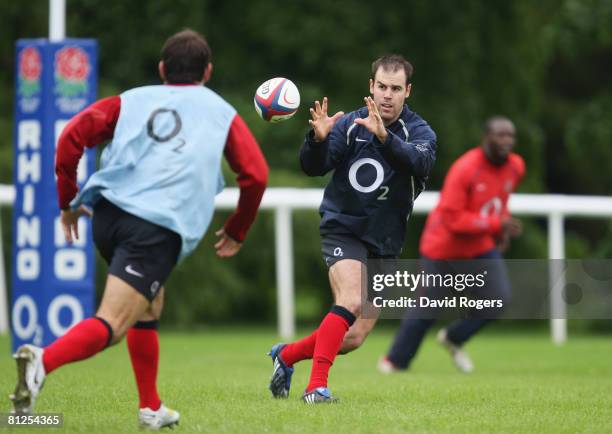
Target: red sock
{"points": [[143, 346], [299, 350], [329, 340], [82, 341]]}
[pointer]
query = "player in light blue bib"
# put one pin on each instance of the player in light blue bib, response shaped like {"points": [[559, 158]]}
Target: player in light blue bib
{"points": [[152, 202]]}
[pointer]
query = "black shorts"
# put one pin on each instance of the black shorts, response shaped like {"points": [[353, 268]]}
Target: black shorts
{"points": [[137, 251], [336, 247]]}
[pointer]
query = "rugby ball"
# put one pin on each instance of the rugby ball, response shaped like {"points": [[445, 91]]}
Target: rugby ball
{"points": [[276, 99]]}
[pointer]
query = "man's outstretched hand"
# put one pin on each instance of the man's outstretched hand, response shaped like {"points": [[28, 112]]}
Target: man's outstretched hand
{"points": [[373, 123], [321, 123]]}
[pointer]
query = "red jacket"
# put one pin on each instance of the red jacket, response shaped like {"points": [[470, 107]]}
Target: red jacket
{"points": [[473, 202]]}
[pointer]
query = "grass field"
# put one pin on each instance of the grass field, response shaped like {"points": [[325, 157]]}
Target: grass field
{"points": [[218, 381]]}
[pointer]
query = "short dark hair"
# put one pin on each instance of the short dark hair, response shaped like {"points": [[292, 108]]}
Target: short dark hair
{"points": [[186, 55], [393, 62], [488, 125]]}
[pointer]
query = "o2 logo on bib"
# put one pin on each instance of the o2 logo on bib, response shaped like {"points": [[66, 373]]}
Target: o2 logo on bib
{"points": [[164, 125], [376, 184]]}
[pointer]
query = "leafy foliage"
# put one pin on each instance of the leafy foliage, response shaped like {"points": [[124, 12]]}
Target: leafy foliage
{"points": [[545, 64]]}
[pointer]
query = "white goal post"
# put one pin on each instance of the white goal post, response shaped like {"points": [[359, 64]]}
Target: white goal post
{"points": [[555, 208]]}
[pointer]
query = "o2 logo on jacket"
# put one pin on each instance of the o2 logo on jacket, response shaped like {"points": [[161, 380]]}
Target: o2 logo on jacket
{"points": [[380, 176], [491, 208]]}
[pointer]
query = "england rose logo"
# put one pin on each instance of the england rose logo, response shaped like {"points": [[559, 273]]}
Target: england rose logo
{"points": [[72, 69], [30, 69]]}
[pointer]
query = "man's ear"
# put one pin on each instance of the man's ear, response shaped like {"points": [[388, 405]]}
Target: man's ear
{"points": [[162, 70], [208, 72], [408, 89], [371, 87]]}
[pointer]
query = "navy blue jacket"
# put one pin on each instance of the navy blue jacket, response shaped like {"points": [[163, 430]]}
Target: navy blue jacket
{"points": [[374, 185]]}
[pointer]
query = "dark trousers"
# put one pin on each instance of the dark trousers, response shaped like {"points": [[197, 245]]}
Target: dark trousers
{"points": [[412, 330]]}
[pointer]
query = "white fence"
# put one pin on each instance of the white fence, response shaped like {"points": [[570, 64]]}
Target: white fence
{"points": [[284, 200]]}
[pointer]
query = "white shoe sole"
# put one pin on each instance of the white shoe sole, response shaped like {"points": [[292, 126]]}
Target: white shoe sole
{"points": [[170, 425], [23, 401]]}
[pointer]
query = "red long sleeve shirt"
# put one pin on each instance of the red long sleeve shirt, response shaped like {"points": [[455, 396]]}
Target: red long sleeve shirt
{"points": [[96, 124], [473, 203]]}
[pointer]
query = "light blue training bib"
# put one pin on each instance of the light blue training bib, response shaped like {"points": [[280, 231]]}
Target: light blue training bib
{"points": [[164, 162]]}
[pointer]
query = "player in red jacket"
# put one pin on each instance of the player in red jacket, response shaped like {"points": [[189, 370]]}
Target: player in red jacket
{"points": [[471, 221]]}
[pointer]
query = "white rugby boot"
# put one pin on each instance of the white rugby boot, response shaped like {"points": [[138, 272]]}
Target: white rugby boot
{"points": [[385, 366], [30, 378], [157, 419], [460, 357]]}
